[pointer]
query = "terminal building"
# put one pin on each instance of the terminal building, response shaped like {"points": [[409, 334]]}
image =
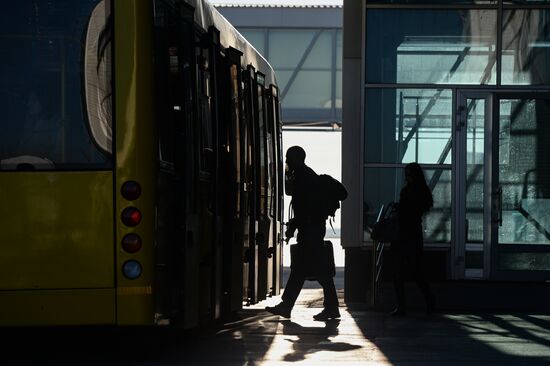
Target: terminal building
{"points": [[302, 40], [462, 88]]}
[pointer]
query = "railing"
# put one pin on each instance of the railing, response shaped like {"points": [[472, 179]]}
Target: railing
{"points": [[377, 262]]}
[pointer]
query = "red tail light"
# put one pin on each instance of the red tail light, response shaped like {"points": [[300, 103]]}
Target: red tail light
{"points": [[131, 190], [131, 243], [131, 216]]}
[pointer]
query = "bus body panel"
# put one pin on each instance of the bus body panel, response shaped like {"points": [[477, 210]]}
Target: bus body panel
{"points": [[61, 254], [136, 153], [57, 307], [56, 230]]}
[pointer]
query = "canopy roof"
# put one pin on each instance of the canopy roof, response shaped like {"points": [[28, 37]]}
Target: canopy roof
{"points": [[279, 3]]}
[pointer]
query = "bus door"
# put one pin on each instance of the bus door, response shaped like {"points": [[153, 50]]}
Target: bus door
{"points": [[230, 140], [262, 176], [271, 206], [177, 250], [207, 187], [276, 191], [218, 178], [251, 187]]}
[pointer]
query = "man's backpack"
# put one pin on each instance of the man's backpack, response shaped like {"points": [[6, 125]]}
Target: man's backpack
{"points": [[331, 192]]}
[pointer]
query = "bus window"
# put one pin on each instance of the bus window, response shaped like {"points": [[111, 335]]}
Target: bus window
{"points": [[170, 100], [207, 143], [47, 122], [97, 76]]}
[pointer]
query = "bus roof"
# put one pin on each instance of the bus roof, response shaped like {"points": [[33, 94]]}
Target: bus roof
{"points": [[206, 15]]}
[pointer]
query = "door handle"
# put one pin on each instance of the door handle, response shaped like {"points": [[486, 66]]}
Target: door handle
{"points": [[499, 206], [460, 117]]}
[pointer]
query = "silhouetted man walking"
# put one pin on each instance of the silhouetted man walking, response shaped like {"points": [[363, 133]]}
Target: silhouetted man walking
{"points": [[301, 184]]}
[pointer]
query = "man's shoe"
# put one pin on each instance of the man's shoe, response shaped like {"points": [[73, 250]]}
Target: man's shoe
{"points": [[279, 309], [326, 315]]}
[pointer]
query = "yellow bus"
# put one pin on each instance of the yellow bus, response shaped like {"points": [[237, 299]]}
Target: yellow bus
{"points": [[140, 165]]}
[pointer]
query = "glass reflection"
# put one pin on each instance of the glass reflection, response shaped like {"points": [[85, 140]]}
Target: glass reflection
{"points": [[524, 171], [527, 2], [523, 261], [408, 125], [526, 46], [475, 162], [436, 2], [55, 91], [382, 185], [431, 46]]}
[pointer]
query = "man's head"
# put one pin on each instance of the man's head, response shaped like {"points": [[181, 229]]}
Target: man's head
{"points": [[295, 157]]}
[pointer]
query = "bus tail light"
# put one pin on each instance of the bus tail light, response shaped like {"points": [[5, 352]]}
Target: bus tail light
{"points": [[131, 243], [131, 269], [131, 190], [131, 216]]}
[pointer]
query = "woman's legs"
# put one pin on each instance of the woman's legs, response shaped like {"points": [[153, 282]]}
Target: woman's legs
{"points": [[399, 265], [419, 273]]}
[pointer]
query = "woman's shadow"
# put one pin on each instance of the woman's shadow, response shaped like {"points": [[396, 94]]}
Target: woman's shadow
{"points": [[313, 339]]}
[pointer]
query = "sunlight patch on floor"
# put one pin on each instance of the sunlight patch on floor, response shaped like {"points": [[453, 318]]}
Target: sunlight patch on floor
{"points": [[508, 334], [303, 341]]}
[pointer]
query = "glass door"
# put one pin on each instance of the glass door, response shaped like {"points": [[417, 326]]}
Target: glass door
{"points": [[521, 225], [472, 181], [502, 186]]}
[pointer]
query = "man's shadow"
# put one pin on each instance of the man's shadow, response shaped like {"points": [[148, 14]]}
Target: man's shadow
{"points": [[314, 339]]}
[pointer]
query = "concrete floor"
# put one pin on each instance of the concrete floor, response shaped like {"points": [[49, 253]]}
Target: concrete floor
{"points": [[257, 338]]}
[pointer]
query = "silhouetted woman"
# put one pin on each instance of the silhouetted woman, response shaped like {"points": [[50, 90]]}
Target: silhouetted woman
{"points": [[414, 201]]}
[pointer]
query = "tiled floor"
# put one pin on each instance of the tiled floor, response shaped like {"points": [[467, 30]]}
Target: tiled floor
{"points": [[360, 338], [370, 338]]}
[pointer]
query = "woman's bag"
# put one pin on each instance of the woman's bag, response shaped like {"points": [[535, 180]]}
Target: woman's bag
{"points": [[386, 229]]}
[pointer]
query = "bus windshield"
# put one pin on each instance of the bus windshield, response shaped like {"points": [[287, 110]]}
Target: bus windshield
{"points": [[55, 85]]}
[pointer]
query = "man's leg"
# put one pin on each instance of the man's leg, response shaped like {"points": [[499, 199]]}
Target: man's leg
{"points": [[290, 294], [293, 288], [330, 301]]}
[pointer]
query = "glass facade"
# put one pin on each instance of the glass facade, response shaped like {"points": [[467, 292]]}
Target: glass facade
{"points": [[56, 85], [308, 64], [484, 155], [526, 46], [441, 46], [408, 125], [475, 181], [383, 185], [524, 171], [433, 2]]}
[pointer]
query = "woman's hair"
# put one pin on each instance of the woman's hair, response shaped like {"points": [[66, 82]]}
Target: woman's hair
{"points": [[418, 183]]}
